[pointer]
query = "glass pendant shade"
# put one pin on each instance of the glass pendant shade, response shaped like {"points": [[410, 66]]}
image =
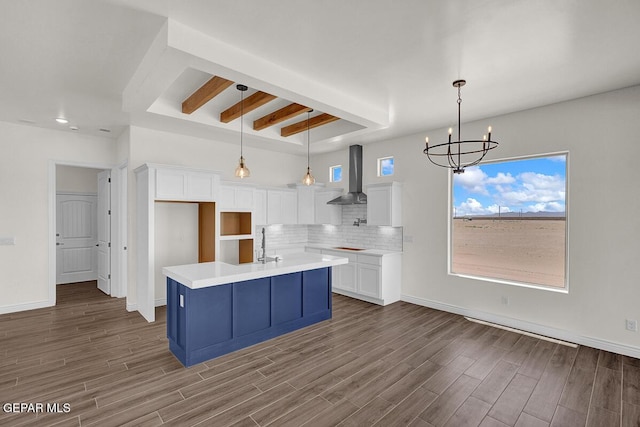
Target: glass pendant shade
{"points": [[308, 178], [242, 171]]}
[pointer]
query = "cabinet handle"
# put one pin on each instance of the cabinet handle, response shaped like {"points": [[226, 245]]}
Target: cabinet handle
{"points": [[59, 244]]}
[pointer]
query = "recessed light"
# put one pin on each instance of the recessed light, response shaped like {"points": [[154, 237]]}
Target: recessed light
{"points": [[62, 120], [104, 130], [73, 127], [28, 121]]}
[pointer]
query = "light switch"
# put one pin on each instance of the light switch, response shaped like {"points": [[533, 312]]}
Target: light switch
{"points": [[7, 241]]}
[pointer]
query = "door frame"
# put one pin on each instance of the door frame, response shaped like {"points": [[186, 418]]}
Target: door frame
{"points": [[118, 253]]}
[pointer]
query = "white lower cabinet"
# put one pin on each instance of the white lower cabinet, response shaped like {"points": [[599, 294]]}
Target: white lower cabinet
{"points": [[344, 276], [372, 278], [368, 280]]}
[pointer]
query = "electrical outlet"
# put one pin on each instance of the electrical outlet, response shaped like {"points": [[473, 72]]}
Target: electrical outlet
{"points": [[7, 241], [504, 300], [632, 325]]}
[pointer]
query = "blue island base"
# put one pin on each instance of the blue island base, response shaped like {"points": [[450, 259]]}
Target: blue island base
{"points": [[208, 322]]}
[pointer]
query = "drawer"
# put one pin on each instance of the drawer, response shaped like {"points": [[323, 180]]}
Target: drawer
{"points": [[369, 259]]}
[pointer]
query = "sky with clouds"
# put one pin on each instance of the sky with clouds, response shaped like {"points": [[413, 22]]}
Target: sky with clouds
{"points": [[524, 185]]}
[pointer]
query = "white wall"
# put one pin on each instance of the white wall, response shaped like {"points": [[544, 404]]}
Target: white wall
{"points": [[152, 146], [27, 153], [77, 180], [601, 134]]}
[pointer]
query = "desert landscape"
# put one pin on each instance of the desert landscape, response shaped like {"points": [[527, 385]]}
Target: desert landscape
{"points": [[528, 250]]}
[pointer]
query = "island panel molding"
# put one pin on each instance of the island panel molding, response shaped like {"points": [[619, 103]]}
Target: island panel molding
{"points": [[208, 322]]}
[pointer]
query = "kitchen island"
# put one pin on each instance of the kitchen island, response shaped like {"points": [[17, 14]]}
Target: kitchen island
{"points": [[215, 308]]}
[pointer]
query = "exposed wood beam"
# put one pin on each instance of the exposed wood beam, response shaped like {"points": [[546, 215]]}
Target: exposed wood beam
{"points": [[314, 122], [252, 102], [206, 93], [285, 113]]}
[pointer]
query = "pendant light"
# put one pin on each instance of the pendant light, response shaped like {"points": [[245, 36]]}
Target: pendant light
{"points": [[242, 171], [308, 178]]}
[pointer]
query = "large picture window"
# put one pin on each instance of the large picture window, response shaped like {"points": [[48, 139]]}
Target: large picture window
{"points": [[509, 221]]}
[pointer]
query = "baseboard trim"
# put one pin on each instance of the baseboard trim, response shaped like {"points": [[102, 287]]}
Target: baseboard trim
{"points": [[132, 307], [534, 328], [160, 302], [24, 307], [358, 296]]}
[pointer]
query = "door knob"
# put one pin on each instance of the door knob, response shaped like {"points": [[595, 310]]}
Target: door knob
{"points": [[97, 244]]}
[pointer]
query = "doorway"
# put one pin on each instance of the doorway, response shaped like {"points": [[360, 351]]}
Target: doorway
{"points": [[85, 226]]}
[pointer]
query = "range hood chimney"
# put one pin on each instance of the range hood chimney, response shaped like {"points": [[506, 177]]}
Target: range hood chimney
{"points": [[355, 196]]}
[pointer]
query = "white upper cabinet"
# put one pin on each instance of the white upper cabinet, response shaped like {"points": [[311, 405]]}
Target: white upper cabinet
{"points": [[306, 200], [260, 207], [236, 197], [186, 185], [282, 206], [312, 204], [324, 213], [384, 204]]}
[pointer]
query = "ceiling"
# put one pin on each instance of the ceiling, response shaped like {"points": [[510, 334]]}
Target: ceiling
{"points": [[385, 68]]}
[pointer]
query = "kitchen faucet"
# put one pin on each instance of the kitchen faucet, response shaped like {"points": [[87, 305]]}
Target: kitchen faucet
{"points": [[263, 258], [359, 221]]}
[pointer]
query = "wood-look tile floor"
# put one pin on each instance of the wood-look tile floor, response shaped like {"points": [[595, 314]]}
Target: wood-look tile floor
{"points": [[386, 366]]}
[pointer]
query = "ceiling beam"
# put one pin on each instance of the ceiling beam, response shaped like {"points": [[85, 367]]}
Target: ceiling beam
{"points": [[314, 122], [252, 102], [285, 113], [206, 93]]}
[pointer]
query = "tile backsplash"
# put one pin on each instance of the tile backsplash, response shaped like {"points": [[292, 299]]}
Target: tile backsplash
{"points": [[369, 237]]}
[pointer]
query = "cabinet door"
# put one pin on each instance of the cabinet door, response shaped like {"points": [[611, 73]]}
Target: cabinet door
{"points": [[289, 207], [200, 186], [368, 277], [244, 198], [379, 206], [260, 207], [227, 198], [171, 185], [306, 201], [346, 276], [324, 213], [274, 207]]}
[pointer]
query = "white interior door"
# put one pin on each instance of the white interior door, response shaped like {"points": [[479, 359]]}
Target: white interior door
{"points": [[104, 231], [76, 237]]}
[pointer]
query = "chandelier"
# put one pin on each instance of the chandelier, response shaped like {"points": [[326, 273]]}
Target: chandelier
{"points": [[459, 154]]}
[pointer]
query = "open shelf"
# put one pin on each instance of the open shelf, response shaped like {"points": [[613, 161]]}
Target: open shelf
{"points": [[235, 223]]}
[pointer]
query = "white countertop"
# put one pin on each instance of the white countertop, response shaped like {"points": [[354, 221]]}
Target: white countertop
{"points": [[376, 252], [206, 274]]}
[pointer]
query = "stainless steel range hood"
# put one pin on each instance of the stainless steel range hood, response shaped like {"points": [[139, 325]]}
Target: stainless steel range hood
{"points": [[355, 196]]}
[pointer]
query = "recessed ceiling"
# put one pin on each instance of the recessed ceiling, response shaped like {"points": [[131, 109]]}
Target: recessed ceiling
{"points": [[385, 68]]}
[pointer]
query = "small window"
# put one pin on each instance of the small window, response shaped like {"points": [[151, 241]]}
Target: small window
{"points": [[335, 173], [385, 166]]}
